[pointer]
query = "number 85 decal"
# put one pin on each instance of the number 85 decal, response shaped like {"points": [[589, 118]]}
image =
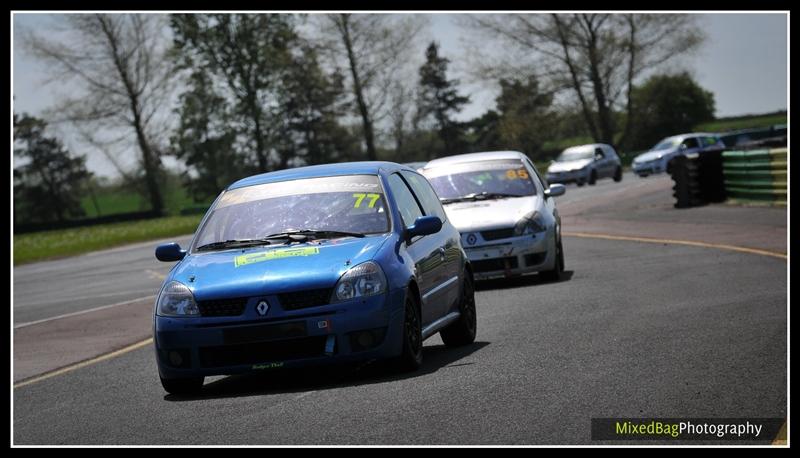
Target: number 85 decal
{"points": [[360, 197], [514, 174]]}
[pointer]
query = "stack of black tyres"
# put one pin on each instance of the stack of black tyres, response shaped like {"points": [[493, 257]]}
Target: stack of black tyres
{"points": [[684, 170], [698, 179]]}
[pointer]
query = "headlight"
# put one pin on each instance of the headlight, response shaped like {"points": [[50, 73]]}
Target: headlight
{"points": [[364, 280], [530, 224], [176, 299]]}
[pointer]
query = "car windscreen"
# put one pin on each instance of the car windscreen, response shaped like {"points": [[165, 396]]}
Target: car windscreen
{"points": [[667, 143], [353, 203], [569, 155], [497, 176]]}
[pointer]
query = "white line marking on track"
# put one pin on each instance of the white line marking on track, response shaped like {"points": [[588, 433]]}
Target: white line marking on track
{"points": [[718, 246], [81, 312], [88, 362]]}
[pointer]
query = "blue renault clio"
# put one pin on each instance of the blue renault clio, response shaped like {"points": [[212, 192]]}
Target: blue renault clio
{"points": [[313, 265]]}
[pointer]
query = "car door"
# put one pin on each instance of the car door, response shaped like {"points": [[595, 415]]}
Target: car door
{"points": [[600, 162], [447, 292], [424, 250], [612, 159]]}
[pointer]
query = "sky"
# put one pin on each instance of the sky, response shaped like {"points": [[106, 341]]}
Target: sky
{"points": [[743, 63]]}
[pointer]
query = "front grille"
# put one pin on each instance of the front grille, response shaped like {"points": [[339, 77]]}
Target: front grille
{"points": [[262, 352], [222, 307], [496, 234], [491, 265], [304, 299]]}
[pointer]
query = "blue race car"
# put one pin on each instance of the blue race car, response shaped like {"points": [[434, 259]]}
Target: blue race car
{"points": [[313, 265]]}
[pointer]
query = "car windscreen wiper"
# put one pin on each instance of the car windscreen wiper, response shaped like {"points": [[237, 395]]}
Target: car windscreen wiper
{"points": [[307, 234], [478, 196], [233, 244], [495, 195]]}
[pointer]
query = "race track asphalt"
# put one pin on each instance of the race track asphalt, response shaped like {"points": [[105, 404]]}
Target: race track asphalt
{"points": [[637, 330], [47, 289], [634, 330]]}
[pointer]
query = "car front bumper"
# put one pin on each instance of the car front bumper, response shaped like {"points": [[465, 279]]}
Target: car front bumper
{"points": [[512, 256], [569, 176], [649, 168], [314, 336]]}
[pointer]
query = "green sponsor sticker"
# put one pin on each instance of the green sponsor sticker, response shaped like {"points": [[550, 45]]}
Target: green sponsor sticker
{"points": [[252, 258]]}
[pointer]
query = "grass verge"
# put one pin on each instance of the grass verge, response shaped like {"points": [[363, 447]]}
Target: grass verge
{"points": [[742, 122], [38, 246]]}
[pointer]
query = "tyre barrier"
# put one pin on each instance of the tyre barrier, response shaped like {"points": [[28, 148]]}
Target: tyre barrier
{"points": [[698, 179], [756, 175], [684, 171]]}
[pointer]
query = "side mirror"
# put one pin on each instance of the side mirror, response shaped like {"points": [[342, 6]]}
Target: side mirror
{"points": [[170, 252], [424, 225], [555, 190]]}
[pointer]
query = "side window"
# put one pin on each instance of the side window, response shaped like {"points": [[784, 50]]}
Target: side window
{"points": [[599, 152], [426, 195], [405, 201], [610, 152], [541, 181], [691, 142]]}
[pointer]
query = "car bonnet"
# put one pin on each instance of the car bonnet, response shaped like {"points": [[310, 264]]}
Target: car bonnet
{"points": [[568, 165], [490, 213], [653, 155], [273, 269]]}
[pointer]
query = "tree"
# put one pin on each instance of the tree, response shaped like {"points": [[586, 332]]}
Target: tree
{"points": [[439, 97], [121, 63], [48, 185], [525, 117], [251, 55], [203, 140], [313, 104], [374, 46], [483, 133], [597, 56], [669, 105]]}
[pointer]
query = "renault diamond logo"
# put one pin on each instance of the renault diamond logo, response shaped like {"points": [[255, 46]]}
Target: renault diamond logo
{"points": [[471, 239], [262, 308]]}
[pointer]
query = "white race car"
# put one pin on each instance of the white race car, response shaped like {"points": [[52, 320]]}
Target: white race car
{"points": [[504, 211]]}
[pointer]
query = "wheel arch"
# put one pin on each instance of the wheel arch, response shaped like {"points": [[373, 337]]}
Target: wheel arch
{"points": [[413, 289]]}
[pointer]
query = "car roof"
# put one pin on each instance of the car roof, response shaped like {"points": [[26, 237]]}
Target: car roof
{"points": [[692, 134], [325, 170], [474, 157], [588, 145]]}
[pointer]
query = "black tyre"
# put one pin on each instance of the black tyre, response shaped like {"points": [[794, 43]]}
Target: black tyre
{"points": [[618, 174], [592, 178], [580, 183], [411, 358], [182, 386], [558, 269], [463, 331]]}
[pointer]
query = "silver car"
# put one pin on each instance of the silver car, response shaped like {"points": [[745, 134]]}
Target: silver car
{"points": [[585, 164], [657, 159], [504, 211]]}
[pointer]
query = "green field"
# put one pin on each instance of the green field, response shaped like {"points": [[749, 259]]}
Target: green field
{"points": [[110, 201], [39, 246], [742, 122]]}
